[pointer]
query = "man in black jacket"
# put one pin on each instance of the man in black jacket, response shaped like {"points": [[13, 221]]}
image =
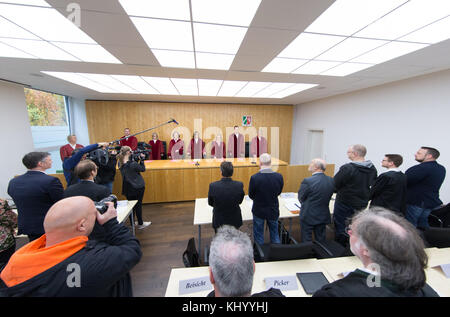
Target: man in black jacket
{"points": [[389, 190], [66, 263], [86, 171], [225, 196], [314, 195], [264, 189], [393, 255], [352, 184]]}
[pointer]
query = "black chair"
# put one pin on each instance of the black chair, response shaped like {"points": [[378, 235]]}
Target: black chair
{"points": [[247, 149], [437, 237], [164, 154], [190, 255], [440, 217]]}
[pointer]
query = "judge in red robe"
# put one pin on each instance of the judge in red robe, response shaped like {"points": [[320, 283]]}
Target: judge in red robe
{"points": [[131, 141], [218, 148], [258, 145], [197, 147], [176, 145], [66, 150], [156, 146], [236, 144]]}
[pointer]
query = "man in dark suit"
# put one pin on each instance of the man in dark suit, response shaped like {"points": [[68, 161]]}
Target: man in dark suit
{"points": [[314, 195], [389, 189], [225, 196], [34, 193], [86, 171], [264, 189]]}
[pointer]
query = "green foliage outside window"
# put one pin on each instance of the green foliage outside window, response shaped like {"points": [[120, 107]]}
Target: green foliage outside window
{"points": [[45, 109]]}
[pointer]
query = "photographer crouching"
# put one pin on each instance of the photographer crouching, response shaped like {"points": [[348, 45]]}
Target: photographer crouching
{"points": [[133, 184]]}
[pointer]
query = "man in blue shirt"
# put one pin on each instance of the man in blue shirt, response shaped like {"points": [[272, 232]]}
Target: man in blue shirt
{"points": [[423, 183]]}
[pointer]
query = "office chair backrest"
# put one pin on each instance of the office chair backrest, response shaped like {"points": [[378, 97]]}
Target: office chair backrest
{"points": [[281, 252], [247, 149], [438, 237]]}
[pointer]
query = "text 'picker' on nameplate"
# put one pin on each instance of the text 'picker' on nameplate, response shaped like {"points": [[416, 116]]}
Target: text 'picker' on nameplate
{"points": [[194, 285], [283, 283]]}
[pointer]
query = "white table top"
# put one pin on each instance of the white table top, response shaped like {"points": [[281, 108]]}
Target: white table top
{"points": [[123, 211]]}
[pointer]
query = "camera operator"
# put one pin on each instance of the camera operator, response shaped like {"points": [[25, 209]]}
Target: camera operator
{"points": [[133, 184], [47, 267], [77, 156], [107, 172]]}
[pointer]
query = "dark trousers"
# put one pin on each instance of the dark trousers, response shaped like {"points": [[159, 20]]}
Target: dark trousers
{"points": [[6, 254], [307, 230], [137, 194], [341, 216]]}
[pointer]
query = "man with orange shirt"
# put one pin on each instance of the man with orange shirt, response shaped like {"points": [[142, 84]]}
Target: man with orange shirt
{"points": [[66, 263]]}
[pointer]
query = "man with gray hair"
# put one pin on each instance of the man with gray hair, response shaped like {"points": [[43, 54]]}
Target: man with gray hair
{"points": [[352, 185], [393, 256], [264, 189], [231, 265], [314, 195]]}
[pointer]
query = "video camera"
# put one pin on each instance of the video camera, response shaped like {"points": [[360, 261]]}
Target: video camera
{"points": [[101, 205], [142, 148]]}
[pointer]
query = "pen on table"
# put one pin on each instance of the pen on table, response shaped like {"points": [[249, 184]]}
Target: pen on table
{"points": [[297, 206]]}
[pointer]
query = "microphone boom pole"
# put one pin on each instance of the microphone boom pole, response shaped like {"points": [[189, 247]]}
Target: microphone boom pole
{"points": [[170, 121]]}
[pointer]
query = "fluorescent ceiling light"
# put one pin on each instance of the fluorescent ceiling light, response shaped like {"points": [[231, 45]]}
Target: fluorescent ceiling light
{"points": [[346, 69], [252, 88], [165, 9], [407, 18], [88, 52], [388, 52], [433, 33], [180, 59], [186, 86], [349, 16], [315, 67], [272, 89], [232, 12], [350, 48], [40, 49], [208, 87], [8, 51], [292, 90], [213, 60], [231, 87], [165, 34], [137, 83], [40, 3], [8, 29], [308, 46], [46, 23], [218, 38], [81, 81], [110, 82], [162, 84], [283, 65]]}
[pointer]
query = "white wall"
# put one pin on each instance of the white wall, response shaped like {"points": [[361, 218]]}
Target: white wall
{"points": [[393, 118], [15, 131], [78, 120]]}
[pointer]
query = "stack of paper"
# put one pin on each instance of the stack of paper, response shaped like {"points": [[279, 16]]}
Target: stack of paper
{"points": [[292, 204], [248, 201]]}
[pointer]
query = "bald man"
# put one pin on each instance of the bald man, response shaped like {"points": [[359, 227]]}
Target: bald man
{"points": [[63, 262], [393, 258], [314, 195]]}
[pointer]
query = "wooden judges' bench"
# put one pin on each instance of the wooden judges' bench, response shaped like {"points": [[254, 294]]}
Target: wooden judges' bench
{"points": [[184, 180]]}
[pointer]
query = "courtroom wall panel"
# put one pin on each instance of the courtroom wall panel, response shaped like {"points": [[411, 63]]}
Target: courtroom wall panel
{"points": [[107, 120]]}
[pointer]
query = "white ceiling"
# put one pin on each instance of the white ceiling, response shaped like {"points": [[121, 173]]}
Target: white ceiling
{"points": [[276, 24]]}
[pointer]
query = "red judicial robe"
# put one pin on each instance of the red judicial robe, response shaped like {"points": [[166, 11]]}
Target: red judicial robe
{"points": [[173, 147], [130, 141], [236, 146], [157, 149], [218, 150], [258, 146], [66, 150], [197, 149]]}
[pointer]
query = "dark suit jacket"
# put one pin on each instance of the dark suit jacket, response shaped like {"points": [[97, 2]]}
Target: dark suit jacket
{"points": [[225, 196], [314, 194], [264, 189], [389, 191], [34, 193], [89, 189]]}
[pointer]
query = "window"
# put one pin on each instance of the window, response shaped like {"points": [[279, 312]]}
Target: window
{"points": [[49, 122]]}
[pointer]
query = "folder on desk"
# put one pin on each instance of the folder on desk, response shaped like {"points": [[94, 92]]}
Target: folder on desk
{"points": [[293, 205]]}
